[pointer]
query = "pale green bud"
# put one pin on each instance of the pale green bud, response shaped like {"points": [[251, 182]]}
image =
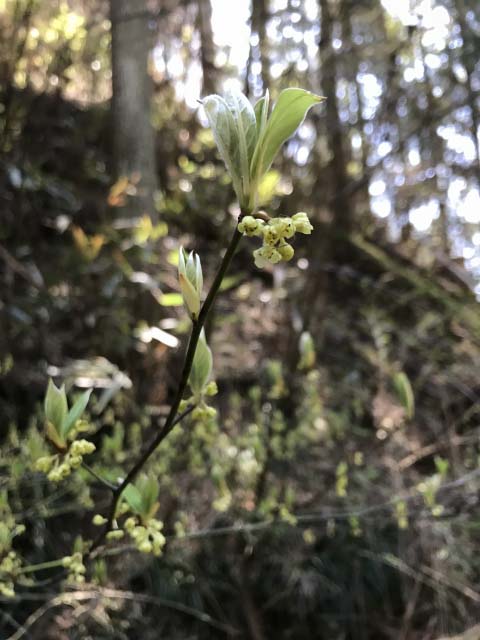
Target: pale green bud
{"points": [[156, 525], [286, 251], [271, 254], [190, 278], [260, 261], [284, 227], [211, 389], [145, 546], [7, 590], [158, 543], [271, 235], [82, 448], [56, 407], [64, 470], [288, 228], [44, 464], [201, 367], [54, 475], [75, 461], [130, 524], [250, 226], [302, 223], [98, 520], [117, 534], [139, 533]]}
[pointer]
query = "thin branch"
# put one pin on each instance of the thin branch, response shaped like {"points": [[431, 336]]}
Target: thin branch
{"points": [[70, 599], [172, 420], [105, 483]]}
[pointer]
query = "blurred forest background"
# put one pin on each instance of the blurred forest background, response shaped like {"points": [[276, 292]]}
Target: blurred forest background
{"points": [[336, 494]]}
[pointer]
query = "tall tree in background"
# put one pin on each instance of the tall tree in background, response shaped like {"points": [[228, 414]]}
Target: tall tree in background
{"points": [[207, 47], [133, 133], [468, 59], [260, 14], [338, 159]]}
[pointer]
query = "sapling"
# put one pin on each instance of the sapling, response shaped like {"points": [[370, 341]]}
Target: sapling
{"points": [[248, 139]]}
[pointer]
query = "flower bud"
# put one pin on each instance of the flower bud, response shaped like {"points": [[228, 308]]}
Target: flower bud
{"points": [[82, 448], [145, 546], [98, 520], [286, 251], [191, 280], [75, 461], [211, 389], [284, 227], [64, 470], [44, 464], [302, 223], [117, 534], [130, 524], [249, 226], [271, 235]]}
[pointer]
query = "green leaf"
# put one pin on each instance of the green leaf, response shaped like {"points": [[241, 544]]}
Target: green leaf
{"points": [[56, 407], [268, 187], [134, 498], [287, 115], [75, 412], [54, 437], [246, 130], [404, 392], [149, 490], [261, 113], [202, 366], [225, 134]]}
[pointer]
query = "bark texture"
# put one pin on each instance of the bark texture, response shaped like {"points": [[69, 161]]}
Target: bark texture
{"points": [[133, 133]]}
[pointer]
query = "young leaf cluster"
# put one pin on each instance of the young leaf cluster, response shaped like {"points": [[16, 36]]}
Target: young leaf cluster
{"points": [[248, 139]]}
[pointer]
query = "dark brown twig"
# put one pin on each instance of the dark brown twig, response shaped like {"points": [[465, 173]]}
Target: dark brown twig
{"points": [[172, 418]]}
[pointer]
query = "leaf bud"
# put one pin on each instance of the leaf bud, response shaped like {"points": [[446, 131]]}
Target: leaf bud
{"points": [[190, 278]]}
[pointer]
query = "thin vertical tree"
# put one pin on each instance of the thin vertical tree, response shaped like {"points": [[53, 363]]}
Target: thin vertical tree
{"points": [[207, 47], [133, 133]]}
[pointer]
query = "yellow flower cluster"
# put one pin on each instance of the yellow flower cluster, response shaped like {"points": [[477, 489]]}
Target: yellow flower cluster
{"points": [[148, 537], [202, 411], [59, 466], [76, 568], [9, 567], [275, 234]]}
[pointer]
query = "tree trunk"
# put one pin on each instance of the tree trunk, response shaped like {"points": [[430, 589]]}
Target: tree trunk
{"points": [[207, 47], [338, 160], [468, 61], [133, 133], [259, 24]]}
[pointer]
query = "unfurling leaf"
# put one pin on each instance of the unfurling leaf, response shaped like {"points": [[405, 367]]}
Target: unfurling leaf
{"points": [[75, 412], [287, 115], [224, 130], [56, 407], [142, 496], [245, 133], [149, 490], [190, 278], [261, 113], [133, 497], [202, 366], [404, 392]]}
